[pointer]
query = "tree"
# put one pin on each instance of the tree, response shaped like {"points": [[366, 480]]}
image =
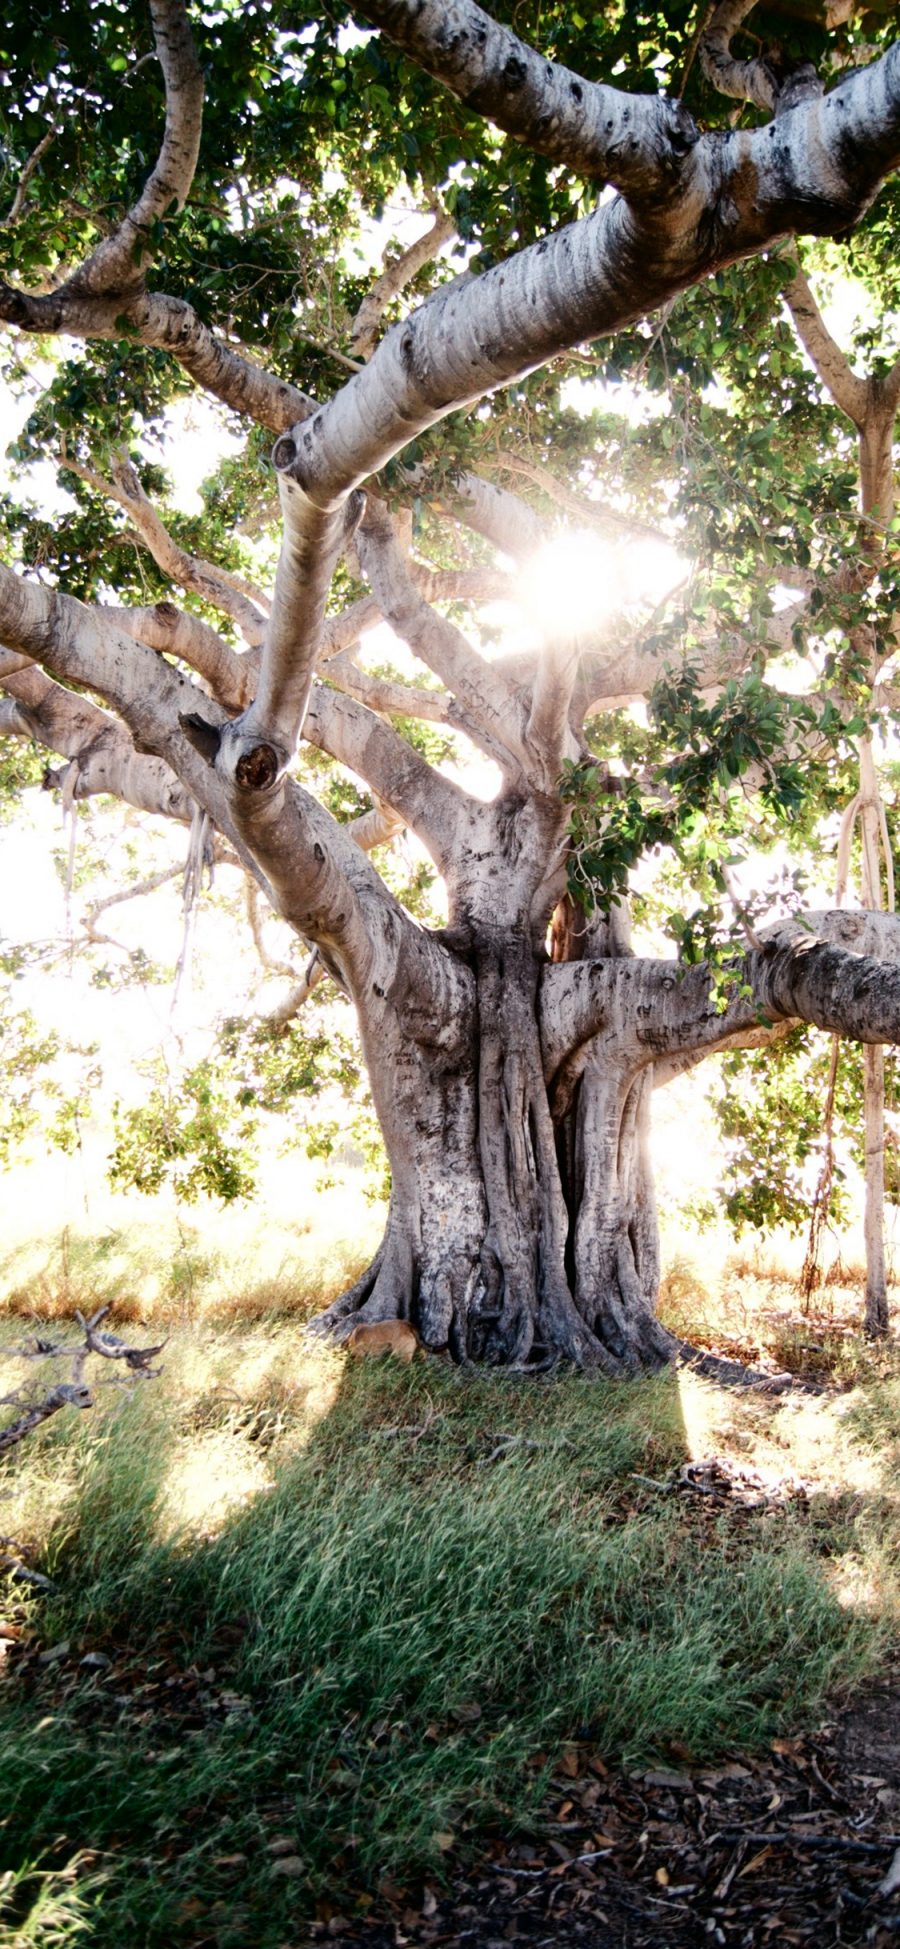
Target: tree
{"points": [[512, 1052]]}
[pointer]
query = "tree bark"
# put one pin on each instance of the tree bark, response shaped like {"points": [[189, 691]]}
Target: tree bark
{"points": [[522, 1226], [475, 1251]]}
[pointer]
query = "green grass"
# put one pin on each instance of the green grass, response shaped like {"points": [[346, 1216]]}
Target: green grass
{"points": [[423, 1588]]}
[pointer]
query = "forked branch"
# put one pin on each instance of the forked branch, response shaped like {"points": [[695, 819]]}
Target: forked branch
{"points": [[74, 1393]]}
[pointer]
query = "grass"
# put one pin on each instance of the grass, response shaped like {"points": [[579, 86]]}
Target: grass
{"points": [[744, 1300], [358, 1611], [290, 1251]]}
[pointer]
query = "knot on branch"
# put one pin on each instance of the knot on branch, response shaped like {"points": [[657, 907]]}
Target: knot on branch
{"points": [[257, 769], [284, 453], [800, 84], [69, 1395], [245, 755]]}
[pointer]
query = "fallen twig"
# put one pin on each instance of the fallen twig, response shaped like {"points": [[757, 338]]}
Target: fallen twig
{"points": [[74, 1393], [506, 1444], [782, 1837]]}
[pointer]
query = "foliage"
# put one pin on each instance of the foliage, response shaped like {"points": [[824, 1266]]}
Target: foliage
{"points": [[38, 1091], [200, 1132], [25, 1054], [21, 766], [690, 796], [787, 1098], [178, 1137], [781, 1099], [280, 1069]]}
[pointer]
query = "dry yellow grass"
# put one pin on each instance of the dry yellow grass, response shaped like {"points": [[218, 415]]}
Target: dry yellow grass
{"points": [[68, 1243]]}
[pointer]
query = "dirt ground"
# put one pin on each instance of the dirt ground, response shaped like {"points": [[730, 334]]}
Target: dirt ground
{"points": [[799, 1847]]}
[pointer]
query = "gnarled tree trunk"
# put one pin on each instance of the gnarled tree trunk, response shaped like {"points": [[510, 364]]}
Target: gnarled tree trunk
{"points": [[513, 1236]]}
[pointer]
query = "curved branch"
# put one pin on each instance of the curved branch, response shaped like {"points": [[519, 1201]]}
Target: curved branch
{"points": [[637, 142], [746, 81], [118, 263], [166, 324], [847, 389], [394, 279], [493, 710], [34, 160], [230, 675], [217, 585]]}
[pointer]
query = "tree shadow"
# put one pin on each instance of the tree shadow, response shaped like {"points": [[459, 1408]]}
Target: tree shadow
{"points": [[447, 1579]]}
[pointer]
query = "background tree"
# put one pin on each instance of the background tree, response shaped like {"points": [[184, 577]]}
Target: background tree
{"points": [[511, 1052]]}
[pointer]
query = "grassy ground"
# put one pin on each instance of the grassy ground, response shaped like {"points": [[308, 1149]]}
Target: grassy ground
{"points": [[340, 1617]]}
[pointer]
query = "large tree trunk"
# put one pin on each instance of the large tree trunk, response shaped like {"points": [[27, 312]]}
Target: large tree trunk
{"points": [[514, 1236]]}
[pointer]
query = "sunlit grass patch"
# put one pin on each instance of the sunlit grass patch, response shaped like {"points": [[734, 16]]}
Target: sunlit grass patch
{"points": [[43, 1906], [745, 1300], [288, 1253]]}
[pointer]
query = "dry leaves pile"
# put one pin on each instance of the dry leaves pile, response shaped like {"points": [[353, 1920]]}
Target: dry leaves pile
{"points": [[799, 1847]]}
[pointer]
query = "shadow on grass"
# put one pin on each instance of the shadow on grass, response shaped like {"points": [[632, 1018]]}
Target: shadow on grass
{"points": [[449, 1580]]}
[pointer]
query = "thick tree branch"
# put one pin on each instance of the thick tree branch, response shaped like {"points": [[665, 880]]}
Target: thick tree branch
{"points": [[257, 746], [637, 142], [839, 971], [172, 325], [230, 675], [323, 884], [815, 170], [314, 870], [82, 647], [314, 874], [549, 738], [375, 828], [168, 324]]}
